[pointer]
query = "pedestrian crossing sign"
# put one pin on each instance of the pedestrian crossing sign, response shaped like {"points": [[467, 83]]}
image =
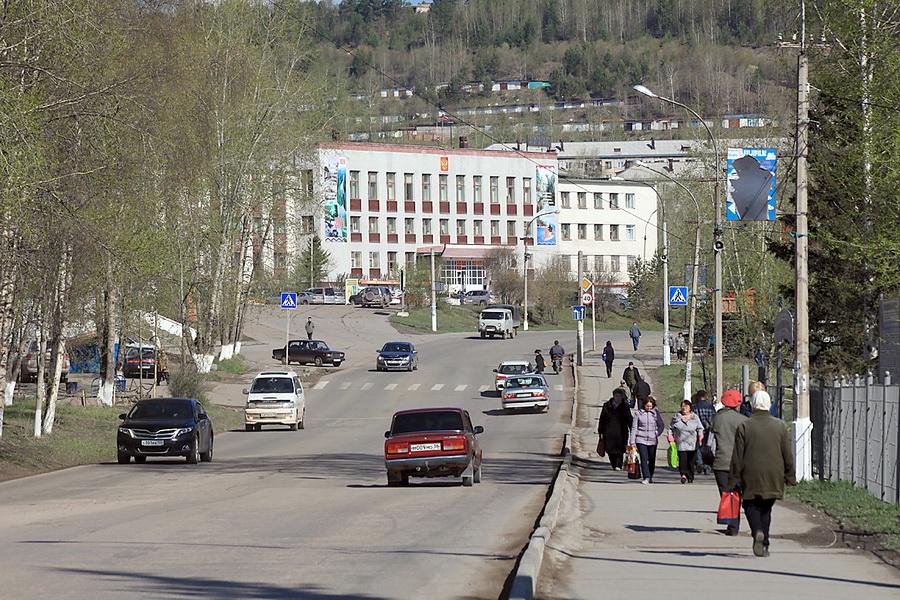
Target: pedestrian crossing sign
{"points": [[288, 299], [678, 295]]}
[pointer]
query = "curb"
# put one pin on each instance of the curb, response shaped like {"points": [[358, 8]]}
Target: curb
{"points": [[525, 579]]}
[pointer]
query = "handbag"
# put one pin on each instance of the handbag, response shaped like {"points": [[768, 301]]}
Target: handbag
{"points": [[729, 508], [632, 460], [708, 449], [673, 455], [601, 447]]}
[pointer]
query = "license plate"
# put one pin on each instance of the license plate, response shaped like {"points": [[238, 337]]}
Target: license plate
{"points": [[424, 447], [152, 442]]}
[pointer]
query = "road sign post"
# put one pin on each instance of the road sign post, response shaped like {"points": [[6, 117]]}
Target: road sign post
{"points": [[288, 300], [578, 313]]}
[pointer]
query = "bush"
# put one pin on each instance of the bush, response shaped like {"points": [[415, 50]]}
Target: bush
{"points": [[186, 383]]}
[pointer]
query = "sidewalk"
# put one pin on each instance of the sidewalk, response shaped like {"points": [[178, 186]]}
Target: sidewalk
{"points": [[614, 536]]}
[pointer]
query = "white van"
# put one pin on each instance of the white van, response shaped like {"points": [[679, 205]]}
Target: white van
{"points": [[323, 295], [275, 398]]}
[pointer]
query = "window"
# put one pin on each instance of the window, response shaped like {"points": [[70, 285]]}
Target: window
{"points": [[445, 226], [278, 225], [476, 188], [409, 226], [354, 224], [373, 224], [565, 228], [510, 190], [392, 261], [630, 260], [511, 228], [373, 185], [374, 260], [582, 199], [614, 265], [391, 186], [426, 226], [495, 190], [629, 232], [526, 190], [460, 227], [598, 232], [280, 260], [354, 184], [598, 264], [614, 233], [408, 187], [392, 224], [495, 228], [629, 200], [479, 228], [598, 200], [410, 258], [443, 192], [582, 231], [564, 200], [307, 224], [356, 259], [426, 187], [613, 200], [460, 188]]}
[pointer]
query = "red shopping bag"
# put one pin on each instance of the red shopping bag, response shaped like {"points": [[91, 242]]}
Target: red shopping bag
{"points": [[729, 508]]}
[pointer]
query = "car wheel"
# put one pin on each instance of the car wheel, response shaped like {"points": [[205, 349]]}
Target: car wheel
{"points": [[467, 480], [207, 456], [123, 459], [410, 368], [318, 361], [482, 303], [248, 427], [476, 477], [194, 457], [302, 423], [293, 427], [482, 335], [140, 459], [258, 427]]}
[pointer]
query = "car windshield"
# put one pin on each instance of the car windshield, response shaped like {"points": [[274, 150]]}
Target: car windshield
{"points": [[490, 314], [272, 385], [477, 293], [525, 382], [427, 421], [511, 369], [168, 409], [134, 353], [320, 346], [396, 348]]}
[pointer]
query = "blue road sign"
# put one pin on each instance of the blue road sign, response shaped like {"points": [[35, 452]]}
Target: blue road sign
{"points": [[678, 295], [288, 299], [578, 313]]}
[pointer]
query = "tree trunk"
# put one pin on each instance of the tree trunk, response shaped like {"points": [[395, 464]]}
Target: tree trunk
{"points": [[106, 337]]}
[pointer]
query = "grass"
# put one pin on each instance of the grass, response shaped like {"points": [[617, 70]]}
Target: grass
{"points": [[852, 507], [235, 366]]}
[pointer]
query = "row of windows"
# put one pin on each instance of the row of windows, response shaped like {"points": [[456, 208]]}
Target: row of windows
{"points": [[409, 227], [478, 189], [612, 200], [307, 225]]}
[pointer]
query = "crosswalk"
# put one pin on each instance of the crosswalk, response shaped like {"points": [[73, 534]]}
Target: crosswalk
{"points": [[437, 387]]}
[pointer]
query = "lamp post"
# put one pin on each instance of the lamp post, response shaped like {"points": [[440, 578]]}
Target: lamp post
{"points": [[718, 245], [525, 262], [690, 351], [666, 351]]}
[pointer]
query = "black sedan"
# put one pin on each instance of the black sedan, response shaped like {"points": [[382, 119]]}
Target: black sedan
{"points": [[397, 355], [165, 427], [139, 362]]}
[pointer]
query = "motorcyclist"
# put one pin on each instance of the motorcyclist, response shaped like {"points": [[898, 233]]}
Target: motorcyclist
{"points": [[556, 355]]}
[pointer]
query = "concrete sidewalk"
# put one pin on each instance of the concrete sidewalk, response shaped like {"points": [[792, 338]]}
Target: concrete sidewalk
{"points": [[614, 536]]}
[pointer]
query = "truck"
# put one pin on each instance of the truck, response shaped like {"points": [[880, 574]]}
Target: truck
{"points": [[499, 319]]}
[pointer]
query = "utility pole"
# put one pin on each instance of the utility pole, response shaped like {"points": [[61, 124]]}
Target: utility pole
{"points": [[433, 295], [579, 346], [666, 351]]}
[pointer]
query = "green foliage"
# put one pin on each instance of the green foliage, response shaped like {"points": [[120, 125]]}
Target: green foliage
{"points": [[235, 365], [311, 265], [187, 383]]}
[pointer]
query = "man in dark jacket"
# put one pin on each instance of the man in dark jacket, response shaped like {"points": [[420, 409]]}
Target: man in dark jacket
{"points": [[723, 427], [613, 428], [631, 375], [762, 462], [705, 411], [641, 392]]}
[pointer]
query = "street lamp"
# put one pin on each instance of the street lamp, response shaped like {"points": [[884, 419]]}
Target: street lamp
{"points": [[717, 235], [689, 359], [666, 351], [525, 264]]}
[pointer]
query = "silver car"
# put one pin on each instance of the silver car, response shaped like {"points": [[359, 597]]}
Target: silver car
{"points": [[526, 392]]}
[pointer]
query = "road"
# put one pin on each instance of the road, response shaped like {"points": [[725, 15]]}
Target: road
{"points": [[307, 514]]}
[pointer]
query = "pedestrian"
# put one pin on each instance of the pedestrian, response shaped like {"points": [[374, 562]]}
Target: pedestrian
{"points": [[746, 405], [609, 355], [761, 463], [635, 334], [615, 421], [162, 368], [705, 411], [556, 355], [646, 428], [724, 426], [309, 328], [631, 375], [540, 363], [687, 433], [680, 346], [641, 391]]}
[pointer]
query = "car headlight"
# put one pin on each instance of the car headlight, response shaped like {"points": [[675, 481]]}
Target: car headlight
{"points": [[126, 431], [183, 431]]}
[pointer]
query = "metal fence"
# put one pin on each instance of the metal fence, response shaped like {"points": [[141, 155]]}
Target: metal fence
{"points": [[856, 434]]}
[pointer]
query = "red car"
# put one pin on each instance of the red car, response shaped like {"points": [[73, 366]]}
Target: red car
{"points": [[432, 442]]}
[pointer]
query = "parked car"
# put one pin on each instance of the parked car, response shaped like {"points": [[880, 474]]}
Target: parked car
{"points": [[372, 296], [275, 398], [322, 295], [29, 366], [139, 362], [620, 300], [477, 298], [303, 298], [526, 392], [165, 427], [507, 369], [397, 355], [305, 352], [432, 442]]}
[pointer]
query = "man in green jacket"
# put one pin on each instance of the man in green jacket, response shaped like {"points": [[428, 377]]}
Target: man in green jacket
{"points": [[762, 462], [724, 426]]}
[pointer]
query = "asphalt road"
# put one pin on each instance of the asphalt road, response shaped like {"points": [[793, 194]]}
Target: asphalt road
{"points": [[307, 514]]}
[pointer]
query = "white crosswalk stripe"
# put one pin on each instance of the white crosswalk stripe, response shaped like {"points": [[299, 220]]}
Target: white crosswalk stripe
{"points": [[558, 387], [437, 387], [460, 388], [367, 386], [390, 386], [346, 385], [483, 388], [321, 385], [414, 387]]}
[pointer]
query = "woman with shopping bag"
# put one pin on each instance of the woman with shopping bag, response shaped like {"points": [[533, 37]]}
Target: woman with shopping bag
{"points": [[687, 433], [648, 425]]}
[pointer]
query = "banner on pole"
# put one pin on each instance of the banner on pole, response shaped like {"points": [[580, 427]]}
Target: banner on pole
{"points": [[751, 184]]}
